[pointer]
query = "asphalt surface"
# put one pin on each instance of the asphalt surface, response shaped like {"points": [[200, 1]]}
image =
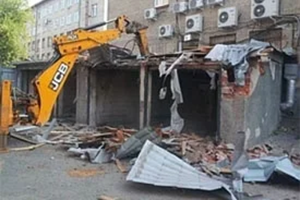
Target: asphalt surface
{"points": [[42, 174]]}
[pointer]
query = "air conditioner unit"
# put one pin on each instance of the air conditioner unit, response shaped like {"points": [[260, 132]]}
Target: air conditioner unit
{"points": [[165, 31], [150, 13], [194, 23], [180, 7], [227, 17], [264, 8], [214, 2], [195, 4]]}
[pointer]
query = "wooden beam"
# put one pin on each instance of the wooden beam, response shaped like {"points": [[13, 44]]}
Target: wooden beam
{"points": [[149, 98]]}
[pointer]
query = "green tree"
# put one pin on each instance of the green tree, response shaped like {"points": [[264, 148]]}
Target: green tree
{"points": [[14, 18]]}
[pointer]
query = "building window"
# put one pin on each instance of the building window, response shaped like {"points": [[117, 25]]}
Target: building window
{"points": [[44, 12], [62, 3], [62, 21], [76, 1], [76, 16], [56, 23], [69, 3], [49, 41], [33, 46], [38, 14], [38, 57], [33, 31], [48, 56], [43, 43], [43, 56], [69, 19], [55, 7], [160, 3], [38, 45], [50, 9], [94, 10]]}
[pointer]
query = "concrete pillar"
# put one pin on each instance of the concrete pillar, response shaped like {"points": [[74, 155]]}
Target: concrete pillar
{"points": [[82, 97], [149, 98], [142, 95], [93, 98], [24, 81], [60, 104]]}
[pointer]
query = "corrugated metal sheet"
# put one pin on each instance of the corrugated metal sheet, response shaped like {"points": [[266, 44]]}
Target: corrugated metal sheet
{"points": [[158, 167], [260, 170]]}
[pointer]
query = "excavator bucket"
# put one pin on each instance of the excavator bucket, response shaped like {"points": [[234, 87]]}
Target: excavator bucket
{"points": [[6, 113]]}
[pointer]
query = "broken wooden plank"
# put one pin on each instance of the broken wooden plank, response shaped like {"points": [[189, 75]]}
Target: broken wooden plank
{"points": [[225, 171], [72, 132], [67, 127], [110, 128], [103, 197], [120, 166], [183, 148], [24, 139], [29, 148], [131, 131], [32, 147]]}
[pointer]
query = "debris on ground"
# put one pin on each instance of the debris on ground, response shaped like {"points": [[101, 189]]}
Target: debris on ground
{"points": [[164, 156], [159, 167], [134, 144], [202, 153], [118, 143], [83, 173]]}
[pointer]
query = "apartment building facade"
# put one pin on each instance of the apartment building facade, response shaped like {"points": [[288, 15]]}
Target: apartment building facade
{"points": [[58, 17], [269, 20]]}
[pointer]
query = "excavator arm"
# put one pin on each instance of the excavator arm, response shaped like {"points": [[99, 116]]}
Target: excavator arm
{"points": [[49, 83]]}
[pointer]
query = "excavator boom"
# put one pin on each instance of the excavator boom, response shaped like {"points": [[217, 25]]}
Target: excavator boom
{"points": [[49, 83]]}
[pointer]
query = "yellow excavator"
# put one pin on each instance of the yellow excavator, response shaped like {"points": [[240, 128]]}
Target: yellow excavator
{"points": [[48, 84]]}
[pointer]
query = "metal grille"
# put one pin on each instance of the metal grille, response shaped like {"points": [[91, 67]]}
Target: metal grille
{"points": [[223, 39]]}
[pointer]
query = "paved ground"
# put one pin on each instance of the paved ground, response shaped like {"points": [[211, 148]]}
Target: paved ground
{"points": [[42, 174]]}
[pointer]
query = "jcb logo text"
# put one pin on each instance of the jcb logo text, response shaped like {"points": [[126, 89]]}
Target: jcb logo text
{"points": [[59, 76]]}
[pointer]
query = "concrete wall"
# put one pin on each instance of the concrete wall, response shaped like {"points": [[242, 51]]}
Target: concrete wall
{"points": [[117, 98], [254, 108], [262, 108], [135, 10]]}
